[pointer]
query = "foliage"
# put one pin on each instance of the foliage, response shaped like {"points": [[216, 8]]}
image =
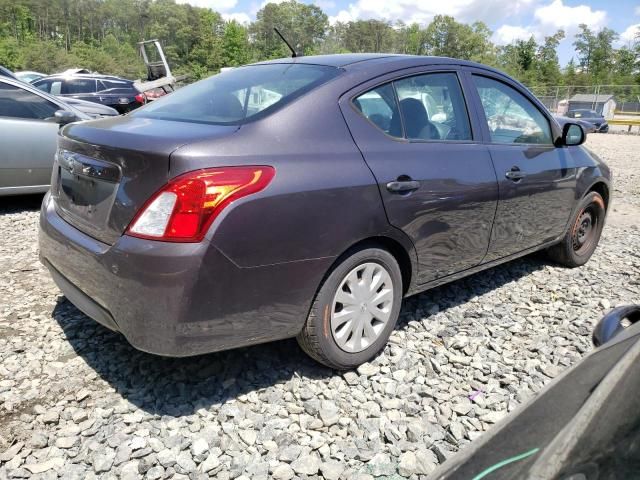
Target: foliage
{"points": [[53, 35]]}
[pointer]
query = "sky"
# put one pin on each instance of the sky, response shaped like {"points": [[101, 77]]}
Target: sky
{"points": [[508, 19]]}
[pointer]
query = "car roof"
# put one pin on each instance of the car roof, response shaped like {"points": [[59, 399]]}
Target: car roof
{"points": [[351, 61], [334, 60], [90, 76], [346, 59]]}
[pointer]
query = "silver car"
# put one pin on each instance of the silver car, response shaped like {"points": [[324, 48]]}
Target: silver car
{"points": [[29, 124]]}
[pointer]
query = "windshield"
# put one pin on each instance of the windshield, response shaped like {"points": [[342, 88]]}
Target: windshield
{"points": [[239, 95]]}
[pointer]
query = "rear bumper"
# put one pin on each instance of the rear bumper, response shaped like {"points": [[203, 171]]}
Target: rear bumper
{"points": [[176, 299]]}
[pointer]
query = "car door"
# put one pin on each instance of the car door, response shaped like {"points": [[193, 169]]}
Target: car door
{"points": [[536, 179], [436, 180], [27, 139]]}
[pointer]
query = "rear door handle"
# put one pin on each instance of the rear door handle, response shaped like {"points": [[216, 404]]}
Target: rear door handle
{"points": [[403, 186], [515, 174]]}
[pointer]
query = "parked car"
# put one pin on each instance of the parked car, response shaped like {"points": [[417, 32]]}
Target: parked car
{"points": [[586, 126], [29, 124], [29, 76], [272, 201], [584, 425], [107, 90], [591, 116]]}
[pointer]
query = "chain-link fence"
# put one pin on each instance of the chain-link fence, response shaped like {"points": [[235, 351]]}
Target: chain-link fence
{"points": [[606, 99]]}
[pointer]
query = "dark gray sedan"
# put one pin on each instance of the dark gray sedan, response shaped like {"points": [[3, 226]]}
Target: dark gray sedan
{"points": [[306, 197], [591, 116]]}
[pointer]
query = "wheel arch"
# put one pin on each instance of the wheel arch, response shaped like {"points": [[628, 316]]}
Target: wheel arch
{"points": [[600, 187], [403, 253]]}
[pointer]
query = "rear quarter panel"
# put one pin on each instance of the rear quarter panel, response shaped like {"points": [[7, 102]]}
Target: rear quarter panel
{"points": [[280, 243], [322, 200]]}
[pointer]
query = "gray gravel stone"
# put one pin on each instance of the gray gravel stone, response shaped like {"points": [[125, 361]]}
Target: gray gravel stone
{"points": [[331, 469], [381, 464], [329, 413], [283, 472], [306, 464]]}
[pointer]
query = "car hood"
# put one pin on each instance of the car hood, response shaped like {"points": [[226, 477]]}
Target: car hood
{"points": [[92, 109]]}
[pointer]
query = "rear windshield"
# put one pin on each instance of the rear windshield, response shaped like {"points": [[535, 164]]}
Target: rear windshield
{"points": [[239, 95]]}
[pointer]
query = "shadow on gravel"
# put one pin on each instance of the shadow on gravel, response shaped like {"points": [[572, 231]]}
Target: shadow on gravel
{"points": [[20, 203], [180, 386]]}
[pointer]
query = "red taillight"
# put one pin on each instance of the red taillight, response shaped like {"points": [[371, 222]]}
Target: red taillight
{"points": [[183, 210], [141, 99]]}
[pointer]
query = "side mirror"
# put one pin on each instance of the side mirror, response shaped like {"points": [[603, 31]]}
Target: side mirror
{"points": [[573, 134], [615, 322], [62, 117]]}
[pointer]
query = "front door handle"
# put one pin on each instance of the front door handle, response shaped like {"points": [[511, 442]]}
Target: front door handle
{"points": [[403, 186], [515, 174]]}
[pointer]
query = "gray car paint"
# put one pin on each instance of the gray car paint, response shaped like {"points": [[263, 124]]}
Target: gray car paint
{"points": [[254, 276], [27, 147]]}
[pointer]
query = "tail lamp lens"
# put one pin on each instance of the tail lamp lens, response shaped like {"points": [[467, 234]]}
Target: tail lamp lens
{"points": [[183, 210]]}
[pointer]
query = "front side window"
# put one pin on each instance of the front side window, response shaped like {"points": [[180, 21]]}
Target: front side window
{"points": [[511, 117], [379, 106], [433, 107], [16, 102], [239, 95]]}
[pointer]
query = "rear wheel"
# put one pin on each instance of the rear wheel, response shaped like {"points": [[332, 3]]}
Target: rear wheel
{"points": [[583, 235], [354, 311]]}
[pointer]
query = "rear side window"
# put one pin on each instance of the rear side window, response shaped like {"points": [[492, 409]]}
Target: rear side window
{"points": [[422, 107], [380, 107], [511, 117], [239, 95], [79, 85], [111, 84], [18, 103]]}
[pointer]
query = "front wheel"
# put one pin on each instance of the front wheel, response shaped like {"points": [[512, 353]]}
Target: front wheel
{"points": [[583, 235], [355, 310]]}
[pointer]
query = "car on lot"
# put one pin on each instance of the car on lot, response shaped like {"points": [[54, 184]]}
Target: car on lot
{"points": [[29, 124], [29, 76], [584, 426], [591, 116], [586, 126], [306, 197], [114, 92]]}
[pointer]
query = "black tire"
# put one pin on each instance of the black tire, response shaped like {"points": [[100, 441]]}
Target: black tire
{"points": [[317, 338], [579, 243]]}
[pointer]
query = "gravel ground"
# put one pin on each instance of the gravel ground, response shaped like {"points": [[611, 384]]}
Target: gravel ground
{"points": [[77, 401]]}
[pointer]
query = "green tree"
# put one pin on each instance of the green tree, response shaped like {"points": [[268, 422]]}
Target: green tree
{"points": [[369, 36], [235, 45], [447, 38], [602, 60], [547, 60], [519, 59], [303, 26]]}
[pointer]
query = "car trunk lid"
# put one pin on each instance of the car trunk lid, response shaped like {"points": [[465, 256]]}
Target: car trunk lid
{"points": [[106, 170]]}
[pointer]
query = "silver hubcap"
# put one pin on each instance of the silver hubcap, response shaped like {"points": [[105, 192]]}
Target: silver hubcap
{"points": [[361, 307]]}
